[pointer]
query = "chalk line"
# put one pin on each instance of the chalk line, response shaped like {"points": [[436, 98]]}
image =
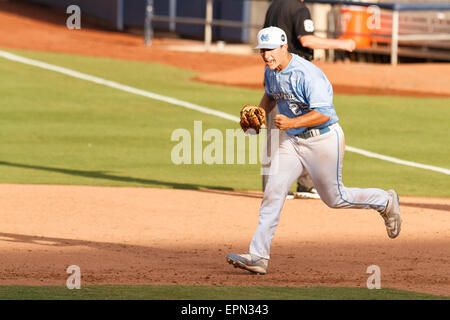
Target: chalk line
{"points": [[192, 106]]}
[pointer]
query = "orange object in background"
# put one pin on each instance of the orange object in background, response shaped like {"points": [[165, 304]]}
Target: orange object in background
{"points": [[354, 25], [381, 33]]}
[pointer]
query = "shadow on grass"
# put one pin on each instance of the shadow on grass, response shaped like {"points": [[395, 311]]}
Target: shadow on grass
{"points": [[106, 176]]}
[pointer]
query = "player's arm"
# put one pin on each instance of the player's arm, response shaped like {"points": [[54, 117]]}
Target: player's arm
{"points": [[311, 119], [304, 29], [267, 103], [315, 42]]}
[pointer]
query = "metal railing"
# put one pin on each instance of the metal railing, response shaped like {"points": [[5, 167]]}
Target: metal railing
{"points": [[395, 37], [396, 8], [208, 22]]}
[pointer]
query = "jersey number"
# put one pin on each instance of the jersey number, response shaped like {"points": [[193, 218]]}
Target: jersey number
{"points": [[298, 108]]}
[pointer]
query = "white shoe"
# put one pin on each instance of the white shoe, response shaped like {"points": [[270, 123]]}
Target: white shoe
{"points": [[310, 194], [391, 215], [245, 261]]}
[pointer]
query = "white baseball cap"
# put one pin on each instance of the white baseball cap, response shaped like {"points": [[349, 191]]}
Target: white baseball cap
{"points": [[271, 38]]}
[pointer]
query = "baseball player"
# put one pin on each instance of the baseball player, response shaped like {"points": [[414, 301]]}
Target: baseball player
{"points": [[312, 140], [294, 18]]}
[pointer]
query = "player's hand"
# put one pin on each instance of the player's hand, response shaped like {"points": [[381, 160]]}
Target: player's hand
{"points": [[283, 123], [348, 45]]}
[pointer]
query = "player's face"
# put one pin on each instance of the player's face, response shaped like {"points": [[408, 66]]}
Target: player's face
{"points": [[274, 58], [271, 57]]}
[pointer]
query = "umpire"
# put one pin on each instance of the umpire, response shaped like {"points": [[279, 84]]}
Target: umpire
{"points": [[295, 19]]}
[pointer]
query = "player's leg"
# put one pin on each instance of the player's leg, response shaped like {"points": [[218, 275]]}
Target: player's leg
{"points": [[305, 181], [323, 156], [305, 187], [284, 170], [268, 152]]}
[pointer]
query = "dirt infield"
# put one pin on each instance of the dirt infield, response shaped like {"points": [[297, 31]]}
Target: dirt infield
{"points": [[162, 236], [354, 78]]}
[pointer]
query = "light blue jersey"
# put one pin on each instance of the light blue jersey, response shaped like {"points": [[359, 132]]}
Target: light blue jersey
{"points": [[299, 88]]}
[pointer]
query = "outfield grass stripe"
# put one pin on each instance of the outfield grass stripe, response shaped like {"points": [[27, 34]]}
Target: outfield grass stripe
{"points": [[188, 105], [167, 292], [395, 160], [116, 85]]}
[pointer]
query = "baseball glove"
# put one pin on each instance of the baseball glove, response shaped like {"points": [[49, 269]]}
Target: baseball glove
{"points": [[252, 117]]}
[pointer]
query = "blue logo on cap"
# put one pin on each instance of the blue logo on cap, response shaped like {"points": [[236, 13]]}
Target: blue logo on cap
{"points": [[264, 37]]}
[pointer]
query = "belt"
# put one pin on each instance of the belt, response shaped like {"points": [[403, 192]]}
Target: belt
{"points": [[313, 133]]}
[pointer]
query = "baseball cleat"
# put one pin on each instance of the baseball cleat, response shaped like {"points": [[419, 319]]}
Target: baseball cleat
{"points": [[306, 193], [245, 261], [391, 215]]}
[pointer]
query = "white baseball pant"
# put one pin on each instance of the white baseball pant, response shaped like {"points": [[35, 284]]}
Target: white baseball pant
{"points": [[304, 179], [322, 156]]}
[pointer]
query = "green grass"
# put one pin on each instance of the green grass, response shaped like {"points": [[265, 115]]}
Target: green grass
{"points": [[208, 293], [61, 130]]}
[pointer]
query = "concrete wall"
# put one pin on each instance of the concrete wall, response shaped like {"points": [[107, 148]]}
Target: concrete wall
{"points": [[104, 10], [133, 16], [257, 15]]}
